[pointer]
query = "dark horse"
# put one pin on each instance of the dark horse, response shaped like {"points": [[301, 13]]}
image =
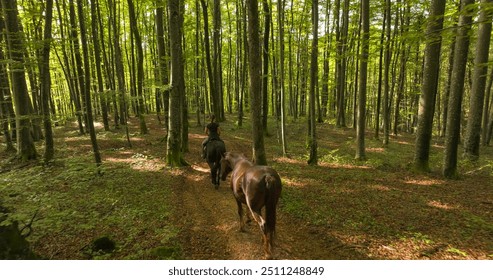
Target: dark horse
{"points": [[257, 187], [215, 151]]}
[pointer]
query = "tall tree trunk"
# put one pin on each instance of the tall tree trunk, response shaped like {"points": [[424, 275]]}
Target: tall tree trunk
{"points": [[140, 67], [313, 158], [486, 114], [430, 85], [265, 66], [6, 109], [218, 107], [380, 70], [473, 130], [325, 75], [452, 134], [255, 85], [360, 128], [25, 144], [210, 71], [162, 61], [97, 60], [386, 91], [174, 157], [280, 8], [85, 82], [46, 83]]}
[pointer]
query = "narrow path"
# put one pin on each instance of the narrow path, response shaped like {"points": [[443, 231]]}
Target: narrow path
{"points": [[209, 224]]}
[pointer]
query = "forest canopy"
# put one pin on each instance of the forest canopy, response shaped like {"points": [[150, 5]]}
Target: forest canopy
{"points": [[109, 60]]}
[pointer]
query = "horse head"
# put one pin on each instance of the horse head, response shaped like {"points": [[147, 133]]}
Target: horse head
{"points": [[226, 166]]}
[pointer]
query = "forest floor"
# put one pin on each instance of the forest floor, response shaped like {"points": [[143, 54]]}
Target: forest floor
{"points": [[340, 209]]}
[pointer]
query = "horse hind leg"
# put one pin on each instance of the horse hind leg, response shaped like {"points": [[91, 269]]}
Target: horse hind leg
{"points": [[240, 214], [266, 233]]}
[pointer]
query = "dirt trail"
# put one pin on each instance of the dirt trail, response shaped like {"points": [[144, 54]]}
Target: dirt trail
{"points": [[209, 224]]}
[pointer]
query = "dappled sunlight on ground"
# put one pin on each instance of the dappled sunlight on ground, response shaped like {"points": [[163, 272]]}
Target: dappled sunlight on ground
{"points": [[441, 205], [425, 182], [379, 188], [375, 150], [200, 168]]}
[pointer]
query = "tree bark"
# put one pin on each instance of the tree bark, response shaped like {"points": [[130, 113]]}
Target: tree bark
{"points": [[25, 144], [85, 83], [265, 66], [452, 135], [97, 59], [429, 87], [255, 85], [280, 8], [473, 130], [6, 109], [46, 83], [174, 156], [361, 122], [313, 158]]}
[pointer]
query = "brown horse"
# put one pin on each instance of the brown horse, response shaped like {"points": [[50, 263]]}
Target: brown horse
{"points": [[257, 187]]}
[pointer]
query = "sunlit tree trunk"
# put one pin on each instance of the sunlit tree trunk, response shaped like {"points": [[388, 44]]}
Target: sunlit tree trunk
{"points": [[361, 118], [473, 130]]}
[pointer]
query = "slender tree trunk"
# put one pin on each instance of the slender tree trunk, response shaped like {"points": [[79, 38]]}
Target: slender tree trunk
{"points": [[486, 114], [473, 130], [217, 65], [360, 128], [280, 8], [46, 83], [255, 85], [380, 68], [162, 61], [85, 82], [313, 158], [97, 60], [210, 72], [386, 99], [265, 66], [25, 144], [452, 134], [140, 67]]}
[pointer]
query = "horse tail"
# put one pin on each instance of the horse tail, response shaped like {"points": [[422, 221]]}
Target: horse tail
{"points": [[273, 188]]}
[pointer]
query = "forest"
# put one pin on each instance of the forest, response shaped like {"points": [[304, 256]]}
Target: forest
{"points": [[376, 114]]}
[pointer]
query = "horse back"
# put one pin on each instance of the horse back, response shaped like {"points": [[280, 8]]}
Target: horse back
{"points": [[215, 150], [262, 184]]}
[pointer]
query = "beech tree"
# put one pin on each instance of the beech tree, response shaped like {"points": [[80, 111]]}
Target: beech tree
{"points": [[429, 86], [174, 156], [16, 49], [473, 130], [452, 134], [255, 82]]}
